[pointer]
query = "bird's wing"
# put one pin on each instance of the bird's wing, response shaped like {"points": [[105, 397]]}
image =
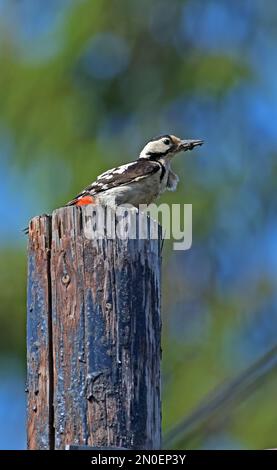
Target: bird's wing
{"points": [[119, 176]]}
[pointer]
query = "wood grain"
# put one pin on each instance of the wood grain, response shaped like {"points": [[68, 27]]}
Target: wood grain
{"points": [[40, 433], [105, 307]]}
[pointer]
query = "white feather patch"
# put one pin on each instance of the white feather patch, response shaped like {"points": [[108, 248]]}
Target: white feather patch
{"points": [[172, 181]]}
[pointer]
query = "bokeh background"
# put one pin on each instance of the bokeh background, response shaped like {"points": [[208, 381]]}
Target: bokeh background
{"points": [[83, 85]]}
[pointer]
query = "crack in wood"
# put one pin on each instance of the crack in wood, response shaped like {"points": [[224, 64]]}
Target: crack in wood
{"points": [[50, 343], [94, 332]]}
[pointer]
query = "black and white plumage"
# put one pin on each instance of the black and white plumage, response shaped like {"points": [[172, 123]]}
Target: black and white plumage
{"points": [[141, 181]]}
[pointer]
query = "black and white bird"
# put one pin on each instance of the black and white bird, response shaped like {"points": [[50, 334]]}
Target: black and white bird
{"points": [[141, 181]]}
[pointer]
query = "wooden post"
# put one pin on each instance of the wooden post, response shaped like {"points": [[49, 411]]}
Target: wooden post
{"points": [[93, 336]]}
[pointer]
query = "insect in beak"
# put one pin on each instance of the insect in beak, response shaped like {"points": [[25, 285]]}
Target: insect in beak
{"points": [[189, 144]]}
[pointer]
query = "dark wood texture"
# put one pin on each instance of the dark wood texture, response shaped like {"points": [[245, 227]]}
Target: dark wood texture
{"points": [[39, 349], [105, 322]]}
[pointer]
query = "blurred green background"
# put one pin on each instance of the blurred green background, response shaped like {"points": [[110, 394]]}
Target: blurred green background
{"points": [[83, 85]]}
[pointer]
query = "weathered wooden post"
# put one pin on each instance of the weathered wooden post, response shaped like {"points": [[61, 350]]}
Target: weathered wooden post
{"points": [[93, 335]]}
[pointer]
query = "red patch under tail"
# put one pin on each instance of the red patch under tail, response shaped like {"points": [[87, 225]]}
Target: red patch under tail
{"points": [[84, 201]]}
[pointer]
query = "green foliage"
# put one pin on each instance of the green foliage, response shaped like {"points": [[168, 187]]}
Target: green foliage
{"points": [[13, 301]]}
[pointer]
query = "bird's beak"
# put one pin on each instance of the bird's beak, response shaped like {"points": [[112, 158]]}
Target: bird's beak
{"points": [[189, 144]]}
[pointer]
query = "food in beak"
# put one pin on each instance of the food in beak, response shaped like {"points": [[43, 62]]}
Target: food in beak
{"points": [[190, 144]]}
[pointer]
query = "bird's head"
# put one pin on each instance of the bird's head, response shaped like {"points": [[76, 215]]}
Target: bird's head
{"points": [[166, 146]]}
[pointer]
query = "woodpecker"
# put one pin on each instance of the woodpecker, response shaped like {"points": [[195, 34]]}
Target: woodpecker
{"points": [[141, 181]]}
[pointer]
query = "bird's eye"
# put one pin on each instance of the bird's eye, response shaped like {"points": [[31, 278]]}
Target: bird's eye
{"points": [[166, 141]]}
